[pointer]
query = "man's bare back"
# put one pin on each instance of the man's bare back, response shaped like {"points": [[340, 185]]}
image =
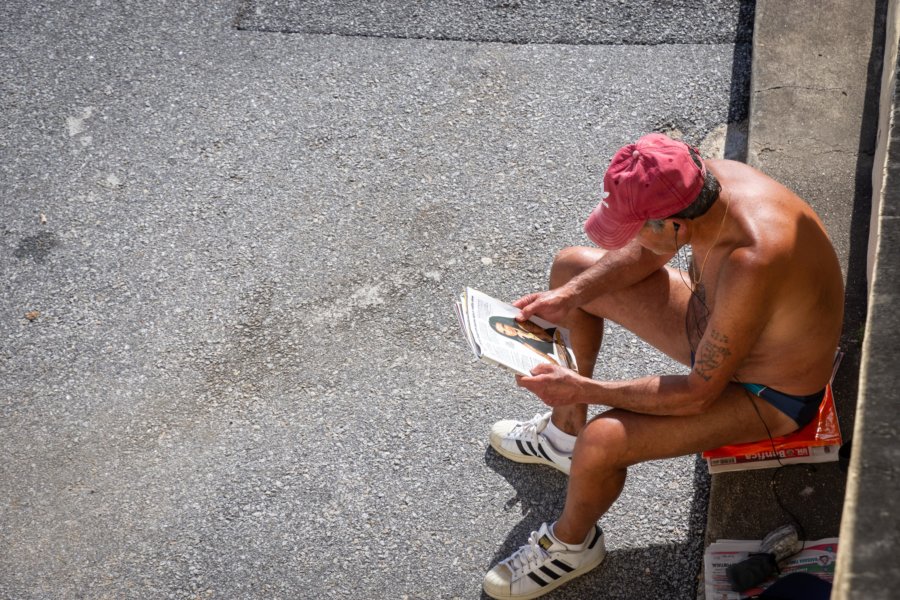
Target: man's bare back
{"points": [[795, 350]]}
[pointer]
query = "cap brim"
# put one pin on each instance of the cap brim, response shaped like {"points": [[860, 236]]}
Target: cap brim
{"points": [[609, 230]]}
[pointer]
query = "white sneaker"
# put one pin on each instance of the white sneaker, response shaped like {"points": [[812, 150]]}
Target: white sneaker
{"points": [[543, 565], [524, 441]]}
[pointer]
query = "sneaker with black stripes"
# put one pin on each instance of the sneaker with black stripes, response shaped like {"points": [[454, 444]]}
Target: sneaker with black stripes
{"points": [[544, 564], [524, 441]]}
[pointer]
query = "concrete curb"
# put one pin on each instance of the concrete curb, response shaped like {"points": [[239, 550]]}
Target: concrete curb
{"points": [[870, 531], [816, 69]]}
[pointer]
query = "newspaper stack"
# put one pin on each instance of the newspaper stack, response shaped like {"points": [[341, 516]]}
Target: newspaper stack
{"points": [[817, 558]]}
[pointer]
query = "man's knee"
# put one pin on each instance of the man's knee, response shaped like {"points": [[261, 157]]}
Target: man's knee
{"points": [[602, 443], [571, 262]]}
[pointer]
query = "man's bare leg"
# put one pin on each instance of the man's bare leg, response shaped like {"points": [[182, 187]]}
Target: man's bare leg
{"points": [[586, 335], [617, 439], [586, 329]]}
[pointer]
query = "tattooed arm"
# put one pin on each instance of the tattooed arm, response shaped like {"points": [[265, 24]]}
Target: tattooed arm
{"points": [[740, 313], [712, 353]]}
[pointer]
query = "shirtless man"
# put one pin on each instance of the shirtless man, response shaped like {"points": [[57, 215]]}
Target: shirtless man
{"points": [[759, 310]]}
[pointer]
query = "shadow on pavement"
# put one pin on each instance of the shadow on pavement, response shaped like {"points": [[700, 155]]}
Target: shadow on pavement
{"points": [[625, 573]]}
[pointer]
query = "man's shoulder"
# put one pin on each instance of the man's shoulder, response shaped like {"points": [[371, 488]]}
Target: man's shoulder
{"points": [[743, 180], [724, 166], [756, 261], [728, 164]]}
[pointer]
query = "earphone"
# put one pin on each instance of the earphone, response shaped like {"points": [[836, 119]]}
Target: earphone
{"points": [[676, 226]]}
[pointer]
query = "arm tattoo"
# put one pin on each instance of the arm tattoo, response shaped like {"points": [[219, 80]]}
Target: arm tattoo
{"points": [[712, 353]]}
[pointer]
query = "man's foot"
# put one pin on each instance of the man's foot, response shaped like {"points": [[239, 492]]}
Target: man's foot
{"points": [[543, 565], [524, 441]]}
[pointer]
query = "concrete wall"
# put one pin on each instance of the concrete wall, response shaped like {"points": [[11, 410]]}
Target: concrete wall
{"points": [[885, 123]]}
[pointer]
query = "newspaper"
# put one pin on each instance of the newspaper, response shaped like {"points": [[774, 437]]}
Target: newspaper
{"points": [[495, 336], [817, 558], [768, 459]]}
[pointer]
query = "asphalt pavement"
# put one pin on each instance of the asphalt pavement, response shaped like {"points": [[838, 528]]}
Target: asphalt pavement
{"points": [[229, 363]]}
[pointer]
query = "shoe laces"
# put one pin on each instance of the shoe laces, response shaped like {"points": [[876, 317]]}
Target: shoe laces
{"points": [[529, 429], [529, 557]]}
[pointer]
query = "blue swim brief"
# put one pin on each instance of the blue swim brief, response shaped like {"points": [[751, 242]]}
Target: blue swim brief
{"points": [[802, 409]]}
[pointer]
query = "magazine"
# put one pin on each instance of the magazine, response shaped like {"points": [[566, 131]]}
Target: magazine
{"points": [[817, 558], [819, 441], [495, 336]]}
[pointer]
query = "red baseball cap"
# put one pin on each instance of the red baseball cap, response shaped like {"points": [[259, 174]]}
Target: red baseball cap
{"points": [[653, 178]]}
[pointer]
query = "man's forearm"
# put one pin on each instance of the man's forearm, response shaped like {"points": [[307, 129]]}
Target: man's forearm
{"points": [[668, 395], [616, 270]]}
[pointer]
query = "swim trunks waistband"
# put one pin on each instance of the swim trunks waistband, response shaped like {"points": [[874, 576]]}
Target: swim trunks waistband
{"points": [[801, 409]]}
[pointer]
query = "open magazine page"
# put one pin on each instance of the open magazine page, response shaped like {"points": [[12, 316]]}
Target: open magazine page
{"points": [[817, 558], [518, 346]]}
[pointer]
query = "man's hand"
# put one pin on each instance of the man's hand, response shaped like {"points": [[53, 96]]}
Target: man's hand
{"points": [[552, 305], [554, 385]]}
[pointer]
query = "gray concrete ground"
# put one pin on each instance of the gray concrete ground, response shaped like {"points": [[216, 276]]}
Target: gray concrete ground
{"points": [[229, 363]]}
